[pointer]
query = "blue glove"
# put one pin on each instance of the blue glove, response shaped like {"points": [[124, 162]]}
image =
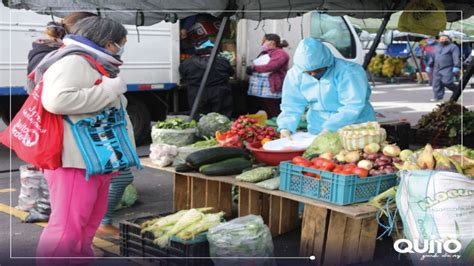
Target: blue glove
{"points": [[456, 69], [428, 69]]}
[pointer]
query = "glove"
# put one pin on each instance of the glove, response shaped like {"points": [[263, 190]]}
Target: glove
{"points": [[116, 84], [428, 69], [249, 70], [285, 134], [456, 69]]}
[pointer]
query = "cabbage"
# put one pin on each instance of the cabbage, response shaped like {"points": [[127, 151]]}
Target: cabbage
{"points": [[210, 123], [129, 197], [327, 142]]}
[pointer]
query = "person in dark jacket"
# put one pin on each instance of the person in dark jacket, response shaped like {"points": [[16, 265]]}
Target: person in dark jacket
{"points": [[55, 32], [41, 47], [445, 63], [217, 95]]}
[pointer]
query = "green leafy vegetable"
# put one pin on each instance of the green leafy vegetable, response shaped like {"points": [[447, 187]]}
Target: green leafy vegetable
{"points": [[212, 122], [175, 123], [208, 142], [328, 142]]}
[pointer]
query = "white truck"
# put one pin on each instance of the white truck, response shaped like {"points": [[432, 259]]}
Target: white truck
{"points": [[151, 64]]}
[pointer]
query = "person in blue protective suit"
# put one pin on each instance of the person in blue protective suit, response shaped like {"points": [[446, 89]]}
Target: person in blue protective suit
{"points": [[336, 91], [445, 64]]}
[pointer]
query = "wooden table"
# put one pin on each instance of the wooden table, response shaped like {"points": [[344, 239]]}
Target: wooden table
{"points": [[333, 234]]}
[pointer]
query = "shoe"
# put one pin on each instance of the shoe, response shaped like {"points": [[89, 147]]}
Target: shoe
{"points": [[436, 100], [108, 231]]}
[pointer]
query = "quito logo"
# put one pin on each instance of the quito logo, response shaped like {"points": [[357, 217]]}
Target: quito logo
{"points": [[449, 246]]}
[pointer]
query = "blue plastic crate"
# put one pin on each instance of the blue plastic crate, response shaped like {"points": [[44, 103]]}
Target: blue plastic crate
{"points": [[331, 187]]}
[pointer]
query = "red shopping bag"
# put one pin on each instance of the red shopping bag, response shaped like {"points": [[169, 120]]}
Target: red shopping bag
{"points": [[35, 134]]}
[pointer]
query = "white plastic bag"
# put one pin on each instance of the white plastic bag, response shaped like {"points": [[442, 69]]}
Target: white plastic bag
{"points": [[32, 181], [245, 236], [162, 154], [176, 137], [438, 206]]}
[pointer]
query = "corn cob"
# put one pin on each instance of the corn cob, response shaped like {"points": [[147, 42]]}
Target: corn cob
{"points": [[209, 221], [190, 217]]}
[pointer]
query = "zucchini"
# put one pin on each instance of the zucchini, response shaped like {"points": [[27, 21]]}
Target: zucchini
{"points": [[183, 168], [213, 155], [232, 166]]}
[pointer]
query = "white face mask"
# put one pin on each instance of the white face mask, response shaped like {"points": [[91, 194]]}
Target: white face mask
{"points": [[121, 49]]}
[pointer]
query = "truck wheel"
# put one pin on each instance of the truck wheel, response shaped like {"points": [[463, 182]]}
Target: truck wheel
{"points": [[5, 117], [140, 118]]}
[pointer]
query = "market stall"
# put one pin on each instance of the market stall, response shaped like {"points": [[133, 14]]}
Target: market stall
{"points": [[346, 180]]}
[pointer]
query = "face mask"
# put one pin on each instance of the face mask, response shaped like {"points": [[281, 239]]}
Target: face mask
{"points": [[121, 49], [264, 47], [445, 43]]}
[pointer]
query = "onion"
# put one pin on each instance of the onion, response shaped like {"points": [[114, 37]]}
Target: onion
{"points": [[405, 154], [327, 155], [352, 157], [372, 148], [391, 150], [372, 157], [366, 164], [381, 162]]}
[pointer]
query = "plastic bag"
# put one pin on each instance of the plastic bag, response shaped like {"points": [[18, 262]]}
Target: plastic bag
{"points": [[183, 152], [176, 137], [34, 195], [437, 205], [162, 154], [272, 183], [416, 18], [31, 179], [129, 197], [245, 236]]}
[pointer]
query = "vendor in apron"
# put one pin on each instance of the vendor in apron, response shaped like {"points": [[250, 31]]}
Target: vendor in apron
{"points": [[336, 91]]}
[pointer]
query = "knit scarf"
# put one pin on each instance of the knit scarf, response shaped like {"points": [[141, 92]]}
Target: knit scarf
{"points": [[74, 44]]}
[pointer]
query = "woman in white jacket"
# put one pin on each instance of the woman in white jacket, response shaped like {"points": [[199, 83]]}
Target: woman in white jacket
{"points": [[69, 89]]}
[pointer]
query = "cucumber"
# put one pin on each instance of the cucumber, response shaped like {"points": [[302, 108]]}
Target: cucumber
{"points": [[232, 166], [213, 155], [183, 168]]}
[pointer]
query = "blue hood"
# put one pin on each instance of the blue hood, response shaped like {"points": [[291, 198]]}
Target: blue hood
{"points": [[311, 54]]}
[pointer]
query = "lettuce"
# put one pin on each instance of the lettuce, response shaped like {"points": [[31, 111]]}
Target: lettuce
{"points": [[327, 142]]}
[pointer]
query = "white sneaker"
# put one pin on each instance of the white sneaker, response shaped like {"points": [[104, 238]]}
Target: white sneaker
{"points": [[436, 100]]}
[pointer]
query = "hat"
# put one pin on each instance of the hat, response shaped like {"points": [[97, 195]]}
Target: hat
{"points": [[445, 35], [204, 45]]}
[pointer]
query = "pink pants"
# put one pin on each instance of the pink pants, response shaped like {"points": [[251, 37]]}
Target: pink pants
{"points": [[77, 207]]}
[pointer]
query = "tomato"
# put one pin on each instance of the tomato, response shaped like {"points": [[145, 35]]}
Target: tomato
{"points": [[349, 166], [346, 172], [361, 172], [304, 163], [327, 165], [298, 159], [312, 174], [320, 162], [337, 169]]}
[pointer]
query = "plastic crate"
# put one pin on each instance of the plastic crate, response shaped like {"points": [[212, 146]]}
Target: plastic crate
{"points": [[133, 244], [331, 187]]}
